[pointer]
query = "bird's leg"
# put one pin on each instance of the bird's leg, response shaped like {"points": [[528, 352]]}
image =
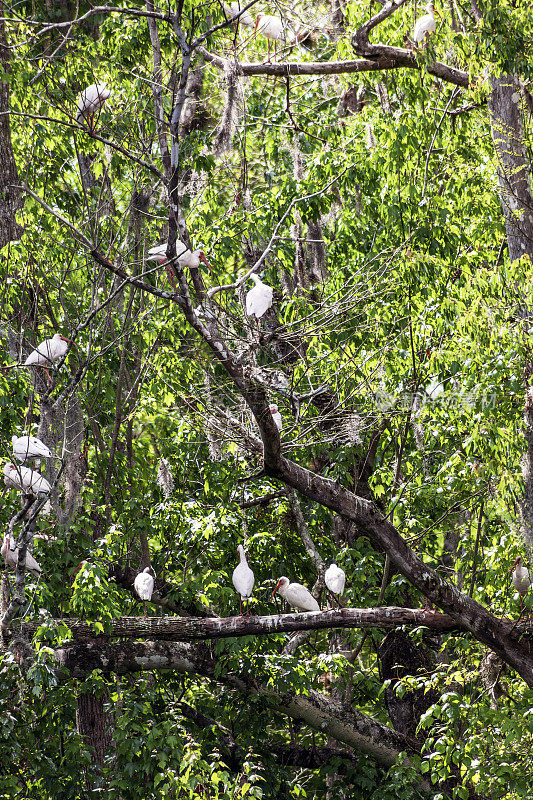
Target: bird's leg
{"points": [[144, 606], [240, 606], [247, 609], [172, 277]]}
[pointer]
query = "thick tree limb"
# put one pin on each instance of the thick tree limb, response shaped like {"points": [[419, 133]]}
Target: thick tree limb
{"points": [[387, 58], [187, 629]]}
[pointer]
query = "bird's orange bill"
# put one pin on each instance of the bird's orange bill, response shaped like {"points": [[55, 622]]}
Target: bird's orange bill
{"points": [[276, 587]]}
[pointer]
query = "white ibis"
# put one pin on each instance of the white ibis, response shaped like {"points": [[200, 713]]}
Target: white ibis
{"points": [[259, 298], [185, 258], [243, 579], [144, 586], [91, 101], [521, 580], [276, 416], [296, 595], [47, 352], [335, 580], [25, 447], [10, 554], [235, 8], [425, 24], [273, 28], [26, 480]]}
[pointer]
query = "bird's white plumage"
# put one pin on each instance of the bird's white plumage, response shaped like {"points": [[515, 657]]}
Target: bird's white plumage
{"points": [[335, 579], [29, 447], [92, 99], [296, 595], [521, 577], [273, 28], [233, 9], [144, 584], [10, 554], [425, 24], [48, 351], [25, 479], [259, 298], [243, 577], [276, 416], [186, 258]]}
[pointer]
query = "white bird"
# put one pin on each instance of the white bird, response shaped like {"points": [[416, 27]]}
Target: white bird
{"points": [[521, 580], [185, 258], [425, 24], [273, 28], [259, 298], [296, 595], [91, 101], [335, 579], [10, 554], [144, 586], [243, 579], [276, 416], [233, 9], [25, 479], [25, 447], [48, 351]]}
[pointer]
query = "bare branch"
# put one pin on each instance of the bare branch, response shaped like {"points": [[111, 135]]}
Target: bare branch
{"points": [[387, 58]]}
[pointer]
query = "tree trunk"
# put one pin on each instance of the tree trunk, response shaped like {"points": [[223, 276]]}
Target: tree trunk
{"points": [[94, 724], [506, 119], [506, 109], [10, 198]]}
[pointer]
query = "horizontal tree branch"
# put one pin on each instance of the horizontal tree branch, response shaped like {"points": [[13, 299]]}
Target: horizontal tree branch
{"points": [[187, 629], [389, 58]]}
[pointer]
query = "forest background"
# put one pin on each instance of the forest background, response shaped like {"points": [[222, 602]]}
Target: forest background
{"points": [[383, 190]]}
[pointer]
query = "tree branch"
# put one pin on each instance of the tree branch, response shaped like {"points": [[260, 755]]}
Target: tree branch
{"points": [[387, 58], [183, 629]]}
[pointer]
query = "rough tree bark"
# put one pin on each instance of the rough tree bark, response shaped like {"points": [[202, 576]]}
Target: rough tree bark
{"points": [[506, 109], [10, 199], [94, 724]]}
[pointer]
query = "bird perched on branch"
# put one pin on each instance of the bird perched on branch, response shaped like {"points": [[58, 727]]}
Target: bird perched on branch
{"points": [[272, 28], [335, 580], [25, 447], [425, 24], [144, 586], [10, 554], [258, 298], [296, 595], [91, 101], [26, 480], [47, 352], [521, 580], [184, 256], [276, 416], [243, 579]]}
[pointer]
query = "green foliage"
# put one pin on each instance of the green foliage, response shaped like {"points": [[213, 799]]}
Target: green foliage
{"points": [[417, 327]]}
